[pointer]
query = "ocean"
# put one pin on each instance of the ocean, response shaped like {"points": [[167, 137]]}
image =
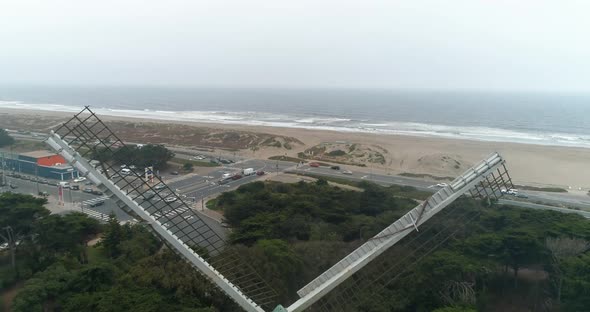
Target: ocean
{"points": [[530, 118]]}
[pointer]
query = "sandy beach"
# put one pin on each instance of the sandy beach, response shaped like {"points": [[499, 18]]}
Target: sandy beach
{"points": [[535, 165]]}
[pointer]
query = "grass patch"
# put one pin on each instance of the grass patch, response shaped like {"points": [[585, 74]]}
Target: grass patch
{"points": [[329, 179], [305, 157], [425, 175], [212, 204], [95, 254], [336, 153], [27, 146], [196, 163], [541, 189], [286, 158], [397, 190], [409, 192]]}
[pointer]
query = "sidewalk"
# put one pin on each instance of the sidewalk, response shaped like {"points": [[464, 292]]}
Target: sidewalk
{"points": [[215, 215]]}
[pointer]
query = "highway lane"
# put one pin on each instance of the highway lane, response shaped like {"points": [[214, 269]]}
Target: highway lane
{"points": [[549, 198], [585, 214], [384, 180]]}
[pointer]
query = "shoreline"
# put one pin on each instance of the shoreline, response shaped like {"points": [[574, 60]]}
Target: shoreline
{"points": [[530, 164], [326, 123]]}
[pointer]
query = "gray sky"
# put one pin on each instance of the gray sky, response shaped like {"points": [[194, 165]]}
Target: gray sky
{"points": [[455, 44]]}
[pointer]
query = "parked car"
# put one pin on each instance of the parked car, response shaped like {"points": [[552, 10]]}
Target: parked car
{"points": [[347, 172], [44, 194], [260, 173], [442, 185], [521, 195], [79, 179], [314, 164], [88, 183], [74, 187], [44, 181], [159, 186], [236, 177], [13, 186], [96, 192], [174, 173], [335, 167], [88, 190]]}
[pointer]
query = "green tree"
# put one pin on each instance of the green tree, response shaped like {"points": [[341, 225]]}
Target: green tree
{"points": [[66, 234], [43, 289], [188, 167], [5, 138], [112, 237], [17, 215], [520, 248]]}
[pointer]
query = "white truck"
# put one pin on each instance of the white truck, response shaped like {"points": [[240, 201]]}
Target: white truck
{"points": [[64, 184], [248, 171]]}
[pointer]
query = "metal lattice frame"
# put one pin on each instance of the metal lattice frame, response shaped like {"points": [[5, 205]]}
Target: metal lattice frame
{"points": [[348, 273], [367, 284], [91, 138]]}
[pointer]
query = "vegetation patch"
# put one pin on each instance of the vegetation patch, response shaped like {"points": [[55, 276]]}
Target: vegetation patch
{"points": [[346, 153], [286, 158], [483, 258], [541, 189], [22, 146], [196, 163], [212, 204], [396, 190], [425, 175]]}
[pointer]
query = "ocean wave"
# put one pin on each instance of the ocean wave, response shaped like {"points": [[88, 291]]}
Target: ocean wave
{"points": [[329, 123]]}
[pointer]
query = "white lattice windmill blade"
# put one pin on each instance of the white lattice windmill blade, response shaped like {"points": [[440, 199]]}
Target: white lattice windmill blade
{"points": [[178, 226], [477, 177]]}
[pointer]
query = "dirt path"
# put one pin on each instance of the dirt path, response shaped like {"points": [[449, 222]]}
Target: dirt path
{"points": [[9, 295]]}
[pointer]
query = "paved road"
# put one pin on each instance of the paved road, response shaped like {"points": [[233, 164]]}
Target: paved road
{"points": [[198, 187], [385, 180], [543, 207], [69, 196], [562, 200]]}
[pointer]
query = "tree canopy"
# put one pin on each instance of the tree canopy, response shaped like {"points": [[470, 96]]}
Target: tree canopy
{"points": [[139, 156], [5, 138], [294, 232]]}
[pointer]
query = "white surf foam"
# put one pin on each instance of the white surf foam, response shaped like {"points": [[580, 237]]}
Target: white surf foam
{"points": [[329, 123]]}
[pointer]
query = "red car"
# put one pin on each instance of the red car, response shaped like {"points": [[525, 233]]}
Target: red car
{"points": [[314, 164], [260, 173], [236, 177]]}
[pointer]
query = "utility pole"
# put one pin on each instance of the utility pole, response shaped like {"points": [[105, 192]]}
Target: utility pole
{"points": [[37, 177], [3, 171]]}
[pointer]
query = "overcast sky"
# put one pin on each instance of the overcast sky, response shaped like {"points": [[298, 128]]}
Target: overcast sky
{"points": [[446, 44]]}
